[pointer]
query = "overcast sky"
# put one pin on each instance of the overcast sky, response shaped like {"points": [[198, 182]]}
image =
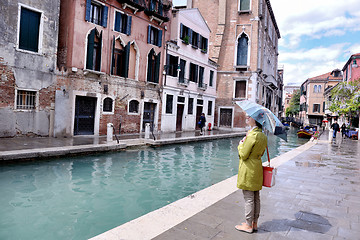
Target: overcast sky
{"points": [[317, 36]]}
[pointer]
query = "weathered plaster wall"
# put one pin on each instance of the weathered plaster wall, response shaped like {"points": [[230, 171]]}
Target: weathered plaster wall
{"points": [[27, 70]]}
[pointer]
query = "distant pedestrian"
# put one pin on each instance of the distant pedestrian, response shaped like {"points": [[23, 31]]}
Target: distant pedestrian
{"points": [[335, 126], [343, 130], [250, 176], [201, 123]]}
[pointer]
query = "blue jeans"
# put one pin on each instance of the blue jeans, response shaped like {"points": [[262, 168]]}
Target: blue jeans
{"points": [[334, 134]]}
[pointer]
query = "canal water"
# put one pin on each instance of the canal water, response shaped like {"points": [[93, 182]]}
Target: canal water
{"points": [[81, 197]]}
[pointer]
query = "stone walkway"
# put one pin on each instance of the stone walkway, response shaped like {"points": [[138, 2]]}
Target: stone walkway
{"points": [[316, 196]]}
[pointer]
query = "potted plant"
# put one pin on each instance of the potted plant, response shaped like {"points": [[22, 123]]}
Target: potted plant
{"points": [[186, 40]]}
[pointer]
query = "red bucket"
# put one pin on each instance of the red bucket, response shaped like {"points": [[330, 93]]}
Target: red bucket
{"points": [[269, 176]]}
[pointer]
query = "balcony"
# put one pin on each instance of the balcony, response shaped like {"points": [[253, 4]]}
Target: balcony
{"points": [[183, 82], [202, 86], [136, 5], [157, 10]]}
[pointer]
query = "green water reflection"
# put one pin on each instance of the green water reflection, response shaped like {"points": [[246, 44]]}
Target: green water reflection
{"points": [[80, 197]]}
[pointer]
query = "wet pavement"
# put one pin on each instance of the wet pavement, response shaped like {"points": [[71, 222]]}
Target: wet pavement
{"points": [[316, 196]]}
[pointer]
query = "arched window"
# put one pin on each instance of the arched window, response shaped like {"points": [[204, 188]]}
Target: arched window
{"points": [[242, 50], [93, 60], [315, 88], [319, 88], [153, 67], [133, 106], [107, 105]]}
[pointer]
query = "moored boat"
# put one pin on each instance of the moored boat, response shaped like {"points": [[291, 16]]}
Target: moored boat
{"points": [[303, 133]]}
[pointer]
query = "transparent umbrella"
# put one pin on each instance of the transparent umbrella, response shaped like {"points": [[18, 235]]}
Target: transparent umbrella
{"points": [[265, 117]]}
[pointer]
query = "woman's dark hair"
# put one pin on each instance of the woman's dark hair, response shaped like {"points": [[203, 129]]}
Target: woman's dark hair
{"points": [[258, 124]]}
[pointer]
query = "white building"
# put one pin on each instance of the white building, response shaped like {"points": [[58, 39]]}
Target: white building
{"points": [[190, 79]]}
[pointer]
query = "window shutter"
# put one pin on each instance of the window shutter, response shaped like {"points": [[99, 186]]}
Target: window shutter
{"points": [[128, 27], [117, 21], [168, 64], [152, 5], [88, 9], [149, 33], [198, 40], [160, 38], [157, 68], [112, 57], [90, 50], [104, 16], [181, 30], [99, 55], [196, 73], [205, 44], [126, 60], [149, 70], [29, 30], [190, 35]]}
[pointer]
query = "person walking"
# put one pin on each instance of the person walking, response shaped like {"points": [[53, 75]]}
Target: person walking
{"points": [[335, 126], [343, 130], [250, 175], [201, 123]]}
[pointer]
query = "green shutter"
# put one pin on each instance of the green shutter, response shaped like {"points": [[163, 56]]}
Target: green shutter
{"points": [[99, 53], [90, 50], [150, 70], [157, 68], [126, 61], [29, 30], [112, 56]]}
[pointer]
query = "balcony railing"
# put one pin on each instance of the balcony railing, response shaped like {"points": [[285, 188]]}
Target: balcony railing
{"points": [[158, 10], [202, 86], [137, 5], [183, 81]]}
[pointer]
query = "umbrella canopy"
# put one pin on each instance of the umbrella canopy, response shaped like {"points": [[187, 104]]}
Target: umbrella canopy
{"points": [[264, 116]]}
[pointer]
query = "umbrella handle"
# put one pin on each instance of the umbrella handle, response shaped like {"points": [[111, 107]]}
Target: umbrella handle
{"points": [[267, 150]]}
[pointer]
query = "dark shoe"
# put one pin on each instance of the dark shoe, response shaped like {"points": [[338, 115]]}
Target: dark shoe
{"points": [[254, 226]]}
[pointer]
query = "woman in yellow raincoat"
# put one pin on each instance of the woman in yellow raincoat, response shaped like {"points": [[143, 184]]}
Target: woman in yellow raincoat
{"points": [[250, 176]]}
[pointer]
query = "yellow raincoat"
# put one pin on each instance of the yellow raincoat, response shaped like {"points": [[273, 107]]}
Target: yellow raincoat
{"points": [[250, 176]]}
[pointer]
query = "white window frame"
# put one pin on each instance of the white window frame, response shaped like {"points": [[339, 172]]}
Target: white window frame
{"points": [[101, 49], [244, 11], [41, 29], [113, 105], [128, 107], [36, 99], [246, 89]]}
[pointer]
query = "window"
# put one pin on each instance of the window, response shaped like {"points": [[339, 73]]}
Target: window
{"points": [[169, 103], [240, 89], [191, 106], [315, 88], [184, 33], [182, 71], [201, 77], [323, 106], [195, 39], [242, 51], [96, 13], [133, 106], [122, 23], [108, 104], [120, 59], [203, 44], [209, 108], [193, 77], [244, 5], [319, 88], [26, 100], [172, 65], [211, 83], [181, 99], [154, 36], [153, 67], [93, 59], [316, 108], [200, 102], [29, 31]]}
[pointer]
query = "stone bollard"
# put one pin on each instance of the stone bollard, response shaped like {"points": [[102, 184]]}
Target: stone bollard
{"points": [[147, 130], [330, 135], [109, 136]]}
